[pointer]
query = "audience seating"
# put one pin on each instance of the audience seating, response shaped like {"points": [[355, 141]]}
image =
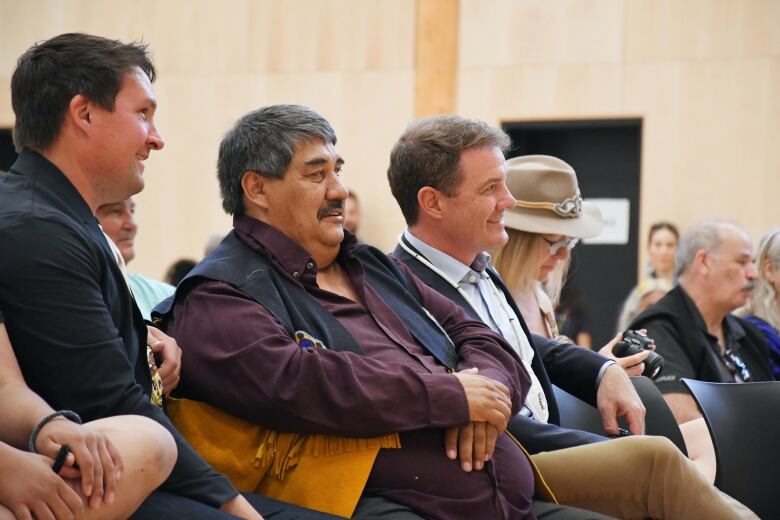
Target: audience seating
{"points": [[578, 414], [744, 423]]}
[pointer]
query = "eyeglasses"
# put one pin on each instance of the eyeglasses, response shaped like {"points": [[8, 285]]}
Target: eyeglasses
{"points": [[736, 365], [568, 243]]}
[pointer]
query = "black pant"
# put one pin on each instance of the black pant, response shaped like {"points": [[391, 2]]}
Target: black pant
{"points": [[162, 505]]}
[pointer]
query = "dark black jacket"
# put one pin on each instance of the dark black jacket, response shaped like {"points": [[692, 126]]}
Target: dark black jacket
{"points": [[79, 337], [688, 350], [571, 368]]}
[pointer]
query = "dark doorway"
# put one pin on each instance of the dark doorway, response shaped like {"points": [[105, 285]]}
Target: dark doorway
{"points": [[7, 153], [606, 156]]}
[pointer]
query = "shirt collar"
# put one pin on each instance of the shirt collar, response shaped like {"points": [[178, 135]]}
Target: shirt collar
{"points": [[453, 268], [286, 252], [732, 328], [36, 167]]}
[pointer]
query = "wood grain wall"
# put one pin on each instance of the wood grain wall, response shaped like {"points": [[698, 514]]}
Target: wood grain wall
{"points": [[703, 74]]}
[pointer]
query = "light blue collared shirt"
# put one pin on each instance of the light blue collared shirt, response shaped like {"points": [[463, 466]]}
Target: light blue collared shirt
{"points": [[482, 294]]}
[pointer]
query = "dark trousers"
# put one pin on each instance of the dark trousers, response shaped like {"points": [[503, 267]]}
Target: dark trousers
{"points": [[161, 504]]}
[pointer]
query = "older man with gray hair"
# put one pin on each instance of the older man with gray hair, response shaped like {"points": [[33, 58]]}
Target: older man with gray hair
{"points": [[693, 326]]}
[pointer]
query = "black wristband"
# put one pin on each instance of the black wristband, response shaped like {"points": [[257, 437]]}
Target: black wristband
{"points": [[73, 416]]}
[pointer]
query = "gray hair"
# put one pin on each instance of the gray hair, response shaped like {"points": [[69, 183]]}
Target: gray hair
{"points": [[264, 141], [707, 236], [763, 300]]}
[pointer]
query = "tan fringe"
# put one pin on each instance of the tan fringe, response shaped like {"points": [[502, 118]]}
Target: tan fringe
{"points": [[281, 451]]}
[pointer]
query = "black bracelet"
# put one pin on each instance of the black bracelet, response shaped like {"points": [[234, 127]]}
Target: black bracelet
{"points": [[73, 416]]}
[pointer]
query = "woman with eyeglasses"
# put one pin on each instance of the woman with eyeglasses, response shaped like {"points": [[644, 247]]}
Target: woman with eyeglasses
{"points": [[763, 307], [548, 221]]}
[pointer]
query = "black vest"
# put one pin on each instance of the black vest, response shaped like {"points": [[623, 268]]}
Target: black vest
{"points": [[252, 273]]}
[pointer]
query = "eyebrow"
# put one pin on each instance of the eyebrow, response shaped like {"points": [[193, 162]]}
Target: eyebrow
{"points": [[490, 181], [322, 160], [152, 102]]}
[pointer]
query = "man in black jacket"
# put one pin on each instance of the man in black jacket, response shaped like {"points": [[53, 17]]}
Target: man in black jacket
{"points": [[692, 325], [448, 175], [84, 109]]}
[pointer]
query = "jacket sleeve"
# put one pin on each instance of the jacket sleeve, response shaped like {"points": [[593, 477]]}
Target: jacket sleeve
{"points": [[572, 368], [478, 345]]}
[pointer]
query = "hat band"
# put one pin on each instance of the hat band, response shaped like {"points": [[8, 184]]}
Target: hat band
{"points": [[569, 208]]}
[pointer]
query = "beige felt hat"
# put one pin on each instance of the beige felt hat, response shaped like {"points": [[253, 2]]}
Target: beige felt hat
{"points": [[548, 199]]}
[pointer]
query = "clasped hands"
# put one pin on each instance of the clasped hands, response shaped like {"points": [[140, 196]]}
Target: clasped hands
{"points": [[93, 467], [490, 409]]}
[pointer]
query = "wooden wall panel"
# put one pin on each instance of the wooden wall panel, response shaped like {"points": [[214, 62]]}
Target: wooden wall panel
{"points": [[702, 74], [351, 60]]}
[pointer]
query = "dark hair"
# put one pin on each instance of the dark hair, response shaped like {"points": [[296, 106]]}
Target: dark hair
{"points": [[178, 270], [51, 73], [658, 226], [264, 141], [428, 154]]}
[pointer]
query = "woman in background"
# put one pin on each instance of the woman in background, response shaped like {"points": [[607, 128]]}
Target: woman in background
{"points": [[549, 219], [661, 247], [660, 277], [763, 307], [642, 297]]}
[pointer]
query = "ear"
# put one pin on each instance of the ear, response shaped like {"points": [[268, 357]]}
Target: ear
{"points": [[430, 202], [80, 114], [254, 187], [703, 262]]}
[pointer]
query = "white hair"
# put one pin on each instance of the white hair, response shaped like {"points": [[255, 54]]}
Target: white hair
{"points": [[763, 301], [707, 236]]}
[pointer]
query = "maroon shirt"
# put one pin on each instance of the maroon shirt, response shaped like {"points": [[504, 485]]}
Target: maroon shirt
{"points": [[236, 356]]}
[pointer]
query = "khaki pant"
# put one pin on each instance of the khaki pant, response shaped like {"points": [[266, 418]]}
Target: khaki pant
{"points": [[635, 477]]}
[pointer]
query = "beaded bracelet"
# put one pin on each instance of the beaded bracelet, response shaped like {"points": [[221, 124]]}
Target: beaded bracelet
{"points": [[73, 416]]}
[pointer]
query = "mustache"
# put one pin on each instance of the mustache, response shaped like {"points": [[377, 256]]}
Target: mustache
{"points": [[749, 286], [330, 206]]}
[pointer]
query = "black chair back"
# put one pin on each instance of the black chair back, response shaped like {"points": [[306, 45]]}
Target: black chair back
{"points": [[579, 415], [744, 422]]}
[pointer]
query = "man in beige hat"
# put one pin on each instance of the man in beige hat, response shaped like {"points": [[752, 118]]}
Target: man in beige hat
{"points": [[448, 175]]}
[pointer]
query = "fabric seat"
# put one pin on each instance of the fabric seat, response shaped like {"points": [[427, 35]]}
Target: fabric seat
{"points": [[744, 424]]}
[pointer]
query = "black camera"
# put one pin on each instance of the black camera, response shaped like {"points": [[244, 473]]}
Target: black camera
{"points": [[634, 342]]}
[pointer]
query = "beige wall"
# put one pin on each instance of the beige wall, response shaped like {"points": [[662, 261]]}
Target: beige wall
{"points": [[703, 74], [352, 60]]}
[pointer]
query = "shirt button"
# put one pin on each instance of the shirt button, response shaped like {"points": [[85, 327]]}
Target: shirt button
{"points": [[296, 274], [310, 265], [472, 278]]}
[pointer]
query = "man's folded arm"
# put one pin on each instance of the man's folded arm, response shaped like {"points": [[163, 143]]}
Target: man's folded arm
{"points": [[478, 345], [269, 380]]}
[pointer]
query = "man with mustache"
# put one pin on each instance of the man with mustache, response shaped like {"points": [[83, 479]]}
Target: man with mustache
{"points": [[311, 332], [692, 325]]}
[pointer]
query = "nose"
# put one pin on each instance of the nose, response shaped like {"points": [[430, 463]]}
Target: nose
{"points": [[155, 140], [336, 188], [562, 254], [507, 200], [128, 222]]}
